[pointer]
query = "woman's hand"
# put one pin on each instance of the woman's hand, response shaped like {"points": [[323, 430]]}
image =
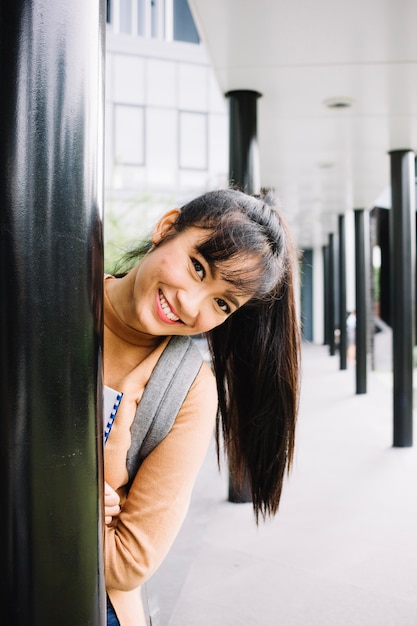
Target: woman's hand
{"points": [[111, 504]]}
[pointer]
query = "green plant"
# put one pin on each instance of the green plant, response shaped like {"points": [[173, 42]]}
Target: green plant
{"points": [[127, 221]]}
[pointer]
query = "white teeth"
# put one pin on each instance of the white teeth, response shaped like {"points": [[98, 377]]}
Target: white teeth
{"points": [[165, 307]]}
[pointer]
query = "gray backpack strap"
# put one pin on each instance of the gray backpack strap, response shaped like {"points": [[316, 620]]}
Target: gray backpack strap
{"points": [[166, 390]]}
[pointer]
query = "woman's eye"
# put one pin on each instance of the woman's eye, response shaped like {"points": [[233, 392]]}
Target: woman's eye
{"points": [[199, 268], [223, 305]]}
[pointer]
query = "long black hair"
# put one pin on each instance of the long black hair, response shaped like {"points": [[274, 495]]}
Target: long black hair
{"points": [[256, 351]]}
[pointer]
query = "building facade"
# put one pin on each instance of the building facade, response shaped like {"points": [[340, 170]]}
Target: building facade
{"points": [[166, 122]]}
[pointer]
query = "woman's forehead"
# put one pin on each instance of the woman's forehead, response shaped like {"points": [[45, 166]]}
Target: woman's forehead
{"points": [[244, 274]]}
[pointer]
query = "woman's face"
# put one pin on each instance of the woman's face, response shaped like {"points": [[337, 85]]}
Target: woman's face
{"points": [[175, 291]]}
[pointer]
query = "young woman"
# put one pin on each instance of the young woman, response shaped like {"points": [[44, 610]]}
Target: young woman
{"points": [[223, 266]]}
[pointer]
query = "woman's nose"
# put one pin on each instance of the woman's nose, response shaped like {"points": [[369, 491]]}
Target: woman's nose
{"points": [[190, 303]]}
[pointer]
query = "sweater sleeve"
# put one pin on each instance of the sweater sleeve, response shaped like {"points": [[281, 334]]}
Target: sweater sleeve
{"points": [[159, 497]]}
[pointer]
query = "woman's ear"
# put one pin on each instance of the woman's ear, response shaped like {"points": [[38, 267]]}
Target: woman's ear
{"points": [[164, 226]]}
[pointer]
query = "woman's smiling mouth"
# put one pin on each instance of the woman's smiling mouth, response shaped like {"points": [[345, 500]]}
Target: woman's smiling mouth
{"points": [[166, 309]]}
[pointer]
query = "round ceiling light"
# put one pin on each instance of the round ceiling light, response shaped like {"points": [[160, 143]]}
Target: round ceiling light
{"points": [[338, 103]]}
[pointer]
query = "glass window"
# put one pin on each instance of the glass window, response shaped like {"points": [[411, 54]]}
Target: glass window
{"points": [[125, 22], [157, 18], [154, 19], [141, 18], [184, 27]]}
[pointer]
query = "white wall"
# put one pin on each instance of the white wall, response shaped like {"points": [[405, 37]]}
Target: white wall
{"points": [[166, 129]]}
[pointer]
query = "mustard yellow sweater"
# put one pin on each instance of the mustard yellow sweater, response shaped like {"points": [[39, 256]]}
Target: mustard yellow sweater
{"points": [[158, 500]]}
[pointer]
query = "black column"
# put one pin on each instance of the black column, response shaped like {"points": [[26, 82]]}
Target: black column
{"points": [[342, 293], [243, 174], [326, 298], [402, 245], [243, 140], [306, 299], [362, 284], [51, 112], [332, 296]]}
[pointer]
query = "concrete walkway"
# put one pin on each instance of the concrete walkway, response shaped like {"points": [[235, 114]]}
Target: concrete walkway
{"points": [[342, 550]]}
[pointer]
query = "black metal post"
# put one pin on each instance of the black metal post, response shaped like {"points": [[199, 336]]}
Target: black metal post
{"points": [[402, 245], [325, 251], [362, 269], [307, 294], [51, 277], [243, 174], [332, 298], [342, 293], [243, 140]]}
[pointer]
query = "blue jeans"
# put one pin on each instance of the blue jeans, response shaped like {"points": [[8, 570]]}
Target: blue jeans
{"points": [[111, 615]]}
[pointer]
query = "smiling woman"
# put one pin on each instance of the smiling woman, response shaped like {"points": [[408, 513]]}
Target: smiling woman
{"points": [[223, 266]]}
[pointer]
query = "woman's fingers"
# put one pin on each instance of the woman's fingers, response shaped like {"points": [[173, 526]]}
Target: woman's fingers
{"points": [[111, 504]]}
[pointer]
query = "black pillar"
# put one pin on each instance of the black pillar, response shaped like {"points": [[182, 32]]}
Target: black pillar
{"points": [[342, 293], [51, 112], [332, 296], [307, 294], [243, 140], [326, 298], [383, 237], [402, 244], [244, 175], [362, 284]]}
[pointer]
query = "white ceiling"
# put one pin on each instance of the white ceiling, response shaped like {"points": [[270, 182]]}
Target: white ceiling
{"points": [[299, 53]]}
